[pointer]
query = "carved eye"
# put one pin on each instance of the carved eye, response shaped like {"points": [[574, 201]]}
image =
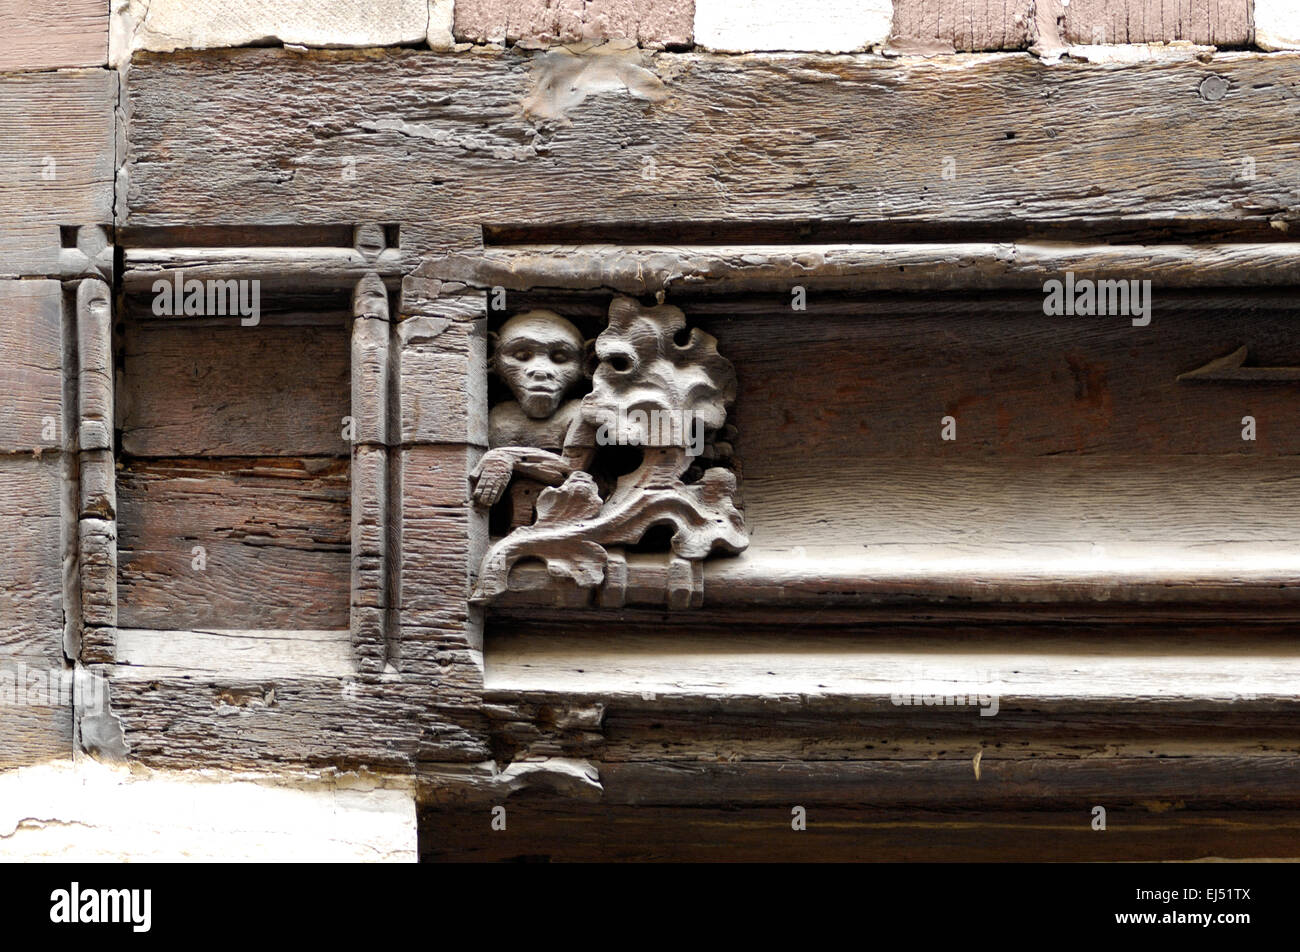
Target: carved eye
{"points": [[522, 355], [559, 357]]}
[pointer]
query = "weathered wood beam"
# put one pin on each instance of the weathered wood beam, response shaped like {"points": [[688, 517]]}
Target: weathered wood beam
{"points": [[1235, 577], [145, 654], [864, 267], [56, 173], [558, 828], [370, 602], [706, 138], [1026, 669], [277, 268], [97, 550]]}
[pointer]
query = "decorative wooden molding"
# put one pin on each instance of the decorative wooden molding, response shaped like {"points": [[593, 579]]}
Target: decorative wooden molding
{"points": [[281, 267], [97, 515], [370, 603], [655, 382], [1232, 368], [91, 257], [883, 266]]}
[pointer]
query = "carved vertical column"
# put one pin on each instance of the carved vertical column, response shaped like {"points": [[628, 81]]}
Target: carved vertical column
{"points": [[369, 475], [97, 516], [442, 386]]}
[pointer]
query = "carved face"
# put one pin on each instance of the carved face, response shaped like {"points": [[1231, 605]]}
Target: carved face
{"points": [[539, 356]]}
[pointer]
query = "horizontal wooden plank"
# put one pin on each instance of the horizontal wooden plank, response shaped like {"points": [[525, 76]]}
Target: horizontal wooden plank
{"points": [[144, 654], [554, 829], [234, 721], [53, 34], [222, 543], [930, 267], [998, 782], [235, 391], [276, 268], [876, 380], [1036, 670], [55, 172], [734, 732], [34, 733], [1217, 580], [31, 366], [724, 139], [1081, 509], [31, 558]]}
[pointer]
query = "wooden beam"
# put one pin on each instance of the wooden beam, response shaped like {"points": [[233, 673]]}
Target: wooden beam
{"points": [[934, 268], [54, 174], [731, 139], [301, 269], [53, 34]]}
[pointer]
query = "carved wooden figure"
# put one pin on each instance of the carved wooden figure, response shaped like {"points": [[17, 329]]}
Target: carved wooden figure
{"points": [[539, 356], [657, 386]]}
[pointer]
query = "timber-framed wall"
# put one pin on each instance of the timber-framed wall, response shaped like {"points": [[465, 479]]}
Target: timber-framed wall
{"points": [[266, 541]]}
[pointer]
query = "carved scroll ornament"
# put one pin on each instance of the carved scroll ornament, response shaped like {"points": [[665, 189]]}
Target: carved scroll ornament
{"points": [[656, 386]]}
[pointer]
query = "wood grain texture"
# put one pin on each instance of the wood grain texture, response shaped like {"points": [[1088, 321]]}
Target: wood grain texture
{"points": [[277, 268], [734, 139], [443, 538], [229, 390], [53, 34], [1214, 22], [95, 371], [1020, 384], [34, 733], [1028, 668], [275, 539], [966, 25], [553, 829], [900, 266], [144, 654], [442, 379], [31, 563], [31, 366], [57, 172], [371, 555], [271, 720]]}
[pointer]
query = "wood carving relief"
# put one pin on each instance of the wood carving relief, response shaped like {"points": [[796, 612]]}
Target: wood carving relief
{"points": [[646, 448]]}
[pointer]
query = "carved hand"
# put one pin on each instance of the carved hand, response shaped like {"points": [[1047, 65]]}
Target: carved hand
{"points": [[491, 477]]}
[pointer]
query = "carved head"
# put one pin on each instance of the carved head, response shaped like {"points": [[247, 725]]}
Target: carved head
{"points": [[539, 355]]}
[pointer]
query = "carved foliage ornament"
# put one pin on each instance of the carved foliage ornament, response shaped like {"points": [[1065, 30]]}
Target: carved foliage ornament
{"points": [[657, 386]]}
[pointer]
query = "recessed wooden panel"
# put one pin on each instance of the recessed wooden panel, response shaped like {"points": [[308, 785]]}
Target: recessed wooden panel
{"points": [[274, 535], [874, 382], [222, 389]]}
